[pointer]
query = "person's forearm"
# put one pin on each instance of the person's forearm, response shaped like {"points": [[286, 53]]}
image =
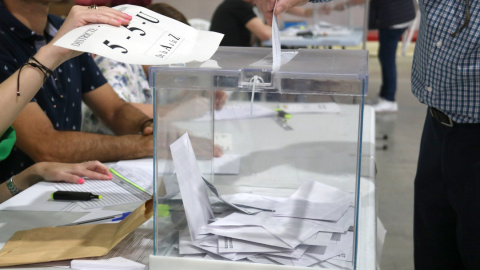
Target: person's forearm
{"points": [[70, 146], [127, 119], [31, 79], [22, 181], [300, 11], [147, 109]]}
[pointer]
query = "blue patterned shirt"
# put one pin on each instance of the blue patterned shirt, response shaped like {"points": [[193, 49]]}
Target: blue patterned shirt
{"points": [[446, 69], [61, 101]]}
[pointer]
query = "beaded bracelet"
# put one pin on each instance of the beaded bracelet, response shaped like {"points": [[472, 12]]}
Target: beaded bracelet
{"points": [[11, 186], [36, 64]]}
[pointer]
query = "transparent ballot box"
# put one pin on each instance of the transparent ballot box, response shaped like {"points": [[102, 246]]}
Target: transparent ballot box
{"points": [[255, 167]]}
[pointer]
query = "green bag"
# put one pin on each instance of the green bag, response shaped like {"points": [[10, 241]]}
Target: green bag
{"points": [[6, 142]]}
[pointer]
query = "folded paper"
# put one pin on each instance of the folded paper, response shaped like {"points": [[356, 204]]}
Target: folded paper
{"points": [[72, 242]]}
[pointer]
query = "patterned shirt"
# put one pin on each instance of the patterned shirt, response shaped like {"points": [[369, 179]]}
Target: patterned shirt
{"points": [[61, 100], [446, 69], [128, 81]]}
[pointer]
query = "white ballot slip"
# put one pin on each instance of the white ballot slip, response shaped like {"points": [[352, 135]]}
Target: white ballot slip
{"points": [[254, 234], [254, 201], [117, 263], [228, 245], [192, 188], [314, 200], [149, 39], [276, 46], [290, 231]]}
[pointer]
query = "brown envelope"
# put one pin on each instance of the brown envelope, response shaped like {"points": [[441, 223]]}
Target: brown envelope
{"points": [[71, 242]]}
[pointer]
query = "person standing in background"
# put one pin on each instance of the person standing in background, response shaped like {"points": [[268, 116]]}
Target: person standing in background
{"points": [[238, 22], [446, 78], [391, 18]]}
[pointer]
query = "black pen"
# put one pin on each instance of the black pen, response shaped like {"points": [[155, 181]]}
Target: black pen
{"points": [[74, 196]]}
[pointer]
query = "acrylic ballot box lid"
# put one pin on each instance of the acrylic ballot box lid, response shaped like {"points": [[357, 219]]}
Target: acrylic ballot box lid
{"points": [[258, 168], [341, 72]]}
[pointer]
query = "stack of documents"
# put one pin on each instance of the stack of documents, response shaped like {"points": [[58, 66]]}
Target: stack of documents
{"points": [[310, 228]]}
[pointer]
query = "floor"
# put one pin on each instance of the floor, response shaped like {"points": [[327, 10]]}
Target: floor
{"points": [[396, 165]]}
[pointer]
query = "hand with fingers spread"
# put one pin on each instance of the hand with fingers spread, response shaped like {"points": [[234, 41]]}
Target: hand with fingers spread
{"points": [[80, 16]]}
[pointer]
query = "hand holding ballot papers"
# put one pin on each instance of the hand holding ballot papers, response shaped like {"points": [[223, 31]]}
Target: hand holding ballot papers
{"points": [[311, 227], [149, 39]]}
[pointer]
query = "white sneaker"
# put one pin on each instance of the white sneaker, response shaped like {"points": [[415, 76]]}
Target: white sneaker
{"points": [[384, 105]]}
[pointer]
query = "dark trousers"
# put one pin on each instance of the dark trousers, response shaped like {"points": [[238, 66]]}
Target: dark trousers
{"points": [[387, 50], [447, 198]]}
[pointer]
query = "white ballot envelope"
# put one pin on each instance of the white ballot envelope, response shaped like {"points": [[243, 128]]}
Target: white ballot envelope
{"points": [[149, 39], [192, 188], [314, 200]]}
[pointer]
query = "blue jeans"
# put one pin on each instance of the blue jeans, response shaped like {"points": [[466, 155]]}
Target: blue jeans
{"points": [[388, 41]]}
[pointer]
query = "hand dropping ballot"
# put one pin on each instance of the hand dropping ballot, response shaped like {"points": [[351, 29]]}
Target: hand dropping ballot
{"points": [[149, 39]]}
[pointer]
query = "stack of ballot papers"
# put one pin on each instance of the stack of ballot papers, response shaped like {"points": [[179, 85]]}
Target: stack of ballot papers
{"points": [[310, 228]]}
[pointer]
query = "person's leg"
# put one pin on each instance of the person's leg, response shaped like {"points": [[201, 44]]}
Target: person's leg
{"points": [[388, 41], [435, 241], [462, 171]]}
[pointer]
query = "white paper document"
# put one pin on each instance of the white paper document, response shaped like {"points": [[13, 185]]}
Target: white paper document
{"points": [[303, 261], [114, 263], [149, 39], [228, 245], [290, 231], [142, 178], [295, 253], [255, 234], [111, 192], [38, 198], [314, 200], [192, 188], [142, 163], [266, 203], [239, 110], [267, 238], [276, 46], [99, 216]]}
